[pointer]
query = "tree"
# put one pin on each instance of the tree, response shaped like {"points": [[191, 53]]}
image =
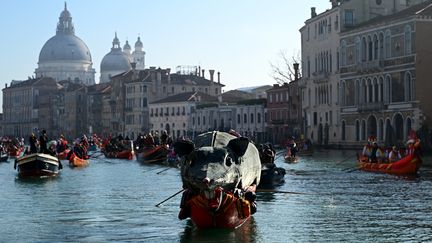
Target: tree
{"points": [[283, 70]]}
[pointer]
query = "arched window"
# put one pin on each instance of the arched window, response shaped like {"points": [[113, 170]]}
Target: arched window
{"points": [[343, 53], [252, 118], [259, 117], [245, 118], [387, 43], [408, 38], [357, 131], [408, 87], [238, 119], [364, 49], [358, 49]]}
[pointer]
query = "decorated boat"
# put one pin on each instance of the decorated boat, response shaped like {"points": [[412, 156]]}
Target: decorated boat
{"points": [[125, 154], [153, 154], [63, 155], [75, 161], [408, 165], [220, 173], [37, 165]]}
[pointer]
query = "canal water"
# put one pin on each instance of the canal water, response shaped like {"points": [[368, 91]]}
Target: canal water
{"points": [[114, 200]]}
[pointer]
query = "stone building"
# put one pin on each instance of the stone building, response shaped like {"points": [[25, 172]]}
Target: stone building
{"points": [[26, 106], [384, 76], [173, 114]]}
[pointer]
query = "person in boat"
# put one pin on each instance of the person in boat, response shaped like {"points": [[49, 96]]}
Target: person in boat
{"points": [[164, 137], [84, 141], [367, 149], [374, 154], [43, 143], [156, 139], [266, 153], [149, 140], [62, 144], [33, 144], [394, 155], [413, 147], [80, 150], [291, 147]]}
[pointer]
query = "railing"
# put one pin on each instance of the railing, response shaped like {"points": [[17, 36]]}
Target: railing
{"points": [[371, 107]]}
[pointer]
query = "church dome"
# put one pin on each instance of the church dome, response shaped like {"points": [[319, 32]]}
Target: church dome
{"points": [[65, 48], [116, 59], [138, 43], [127, 46]]}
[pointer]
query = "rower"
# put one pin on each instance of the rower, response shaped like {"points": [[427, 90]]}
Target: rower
{"points": [[394, 155]]}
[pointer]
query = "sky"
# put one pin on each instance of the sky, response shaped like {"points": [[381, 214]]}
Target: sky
{"points": [[237, 38]]}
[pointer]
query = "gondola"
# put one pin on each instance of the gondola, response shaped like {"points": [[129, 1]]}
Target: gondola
{"points": [[408, 165], [271, 175], [37, 165], [127, 154], [153, 154]]}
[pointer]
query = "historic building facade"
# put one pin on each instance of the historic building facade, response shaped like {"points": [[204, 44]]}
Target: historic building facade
{"points": [[384, 76], [65, 56]]}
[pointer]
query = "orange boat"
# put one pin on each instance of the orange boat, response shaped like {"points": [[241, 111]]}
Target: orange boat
{"points": [[76, 161], [408, 165]]}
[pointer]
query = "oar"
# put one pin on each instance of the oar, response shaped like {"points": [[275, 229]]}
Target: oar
{"points": [[163, 170], [352, 170], [350, 157], [285, 192], [151, 170], [175, 194]]}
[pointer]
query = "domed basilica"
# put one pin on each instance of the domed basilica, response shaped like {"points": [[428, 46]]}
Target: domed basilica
{"points": [[65, 56]]}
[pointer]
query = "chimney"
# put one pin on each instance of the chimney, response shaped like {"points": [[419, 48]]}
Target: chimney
{"points": [[168, 70], [296, 71], [211, 74], [199, 71], [313, 12], [218, 77], [203, 73], [159, 76], [5, 85]]}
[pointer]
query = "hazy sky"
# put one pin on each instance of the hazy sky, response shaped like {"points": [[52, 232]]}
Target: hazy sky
{"points": [[239, 38]]}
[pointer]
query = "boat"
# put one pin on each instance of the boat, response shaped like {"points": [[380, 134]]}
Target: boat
{"points": [[75, 161], [16, 152], [154, 154], [125, 154], [92, 147], [219, 190], [408, 165], [4, 157], [37, 165], [290, 159], [63, 155], [271, 175]]}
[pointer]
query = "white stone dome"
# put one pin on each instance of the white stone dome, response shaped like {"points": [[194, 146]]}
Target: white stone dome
{"points": [[62, 47], [116, 60]]}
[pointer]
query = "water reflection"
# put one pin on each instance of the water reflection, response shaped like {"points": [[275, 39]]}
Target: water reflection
{"points": [[246, 233]]}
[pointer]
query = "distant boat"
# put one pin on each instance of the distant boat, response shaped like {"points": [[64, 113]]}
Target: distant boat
{"points": [[75, 161], [408, 165], [37, 165], [154, 154]]}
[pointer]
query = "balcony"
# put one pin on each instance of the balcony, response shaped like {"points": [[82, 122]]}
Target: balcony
{"points": [[371, 107], [400, 61]]}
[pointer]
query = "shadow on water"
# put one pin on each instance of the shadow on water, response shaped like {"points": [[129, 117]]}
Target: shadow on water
{"points": [[245, 233], [36, 180]]}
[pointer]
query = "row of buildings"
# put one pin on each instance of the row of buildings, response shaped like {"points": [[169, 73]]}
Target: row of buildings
{"points": [[366, 71]]}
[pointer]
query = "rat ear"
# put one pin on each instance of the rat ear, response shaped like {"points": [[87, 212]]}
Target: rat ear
{"points": [[182, 148], [238, 146]]}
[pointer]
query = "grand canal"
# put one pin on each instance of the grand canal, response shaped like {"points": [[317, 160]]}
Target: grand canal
{"points": [[114, 200]]}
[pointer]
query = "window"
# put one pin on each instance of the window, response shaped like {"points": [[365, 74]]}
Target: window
{"points": [[387, 44], [259, 117], [252, 118], [349, 17], [238, 119], [408, 42], [245, 118]]}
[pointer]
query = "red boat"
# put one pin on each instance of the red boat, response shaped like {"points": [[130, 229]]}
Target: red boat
{"points": [[125, 154], [408, 165], [63, 155], [15, 152], [223, 210], [154, 154]]}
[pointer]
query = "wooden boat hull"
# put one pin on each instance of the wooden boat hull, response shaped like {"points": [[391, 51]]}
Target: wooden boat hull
{"points": [[231, 213], [63, 155], [75, 161], [156, 154], [271, 175], [125, 154], [408, 165], [16, 153], [37, 165], [290, 159]]}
